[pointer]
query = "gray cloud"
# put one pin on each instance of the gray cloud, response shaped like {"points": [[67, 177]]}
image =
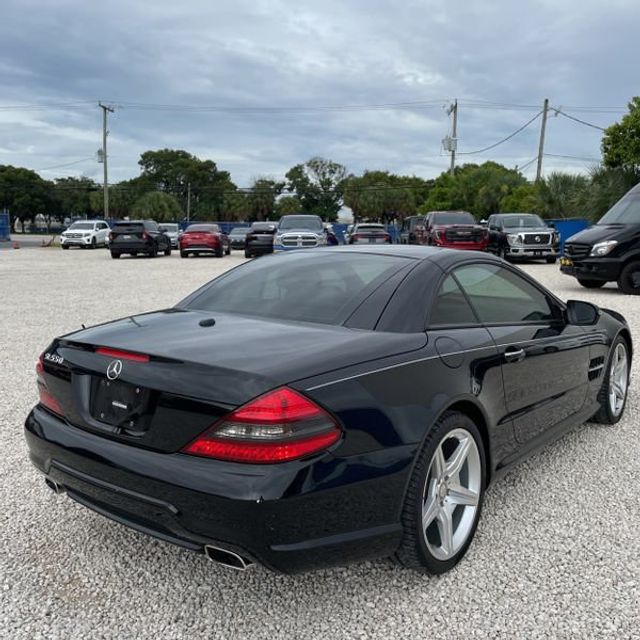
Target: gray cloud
{"points": [[276, 53]]}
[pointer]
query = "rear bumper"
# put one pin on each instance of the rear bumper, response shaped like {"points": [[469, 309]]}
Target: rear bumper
{"points": [[212, 248], [595, 269], [291, 517], [129, 247]]}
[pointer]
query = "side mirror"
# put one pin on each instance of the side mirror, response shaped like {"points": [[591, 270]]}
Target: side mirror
{"points": [[483, 223], [582, 313]]}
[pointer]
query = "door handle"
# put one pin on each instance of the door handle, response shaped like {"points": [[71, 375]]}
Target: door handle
{"points": [[514, 354]]}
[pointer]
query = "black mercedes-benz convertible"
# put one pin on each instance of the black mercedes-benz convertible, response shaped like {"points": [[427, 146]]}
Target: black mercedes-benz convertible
{"points": [[324, 406]]}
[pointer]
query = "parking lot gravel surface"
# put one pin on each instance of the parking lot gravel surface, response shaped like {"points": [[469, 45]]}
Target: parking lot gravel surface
{"points": [[557, 553]]}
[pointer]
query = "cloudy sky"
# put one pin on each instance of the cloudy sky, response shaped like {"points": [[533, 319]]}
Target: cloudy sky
{"points": [[263, 84]]}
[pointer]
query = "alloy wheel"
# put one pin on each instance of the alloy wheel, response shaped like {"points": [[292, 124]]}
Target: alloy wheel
{"points": [[618, 379], [451, 494]]}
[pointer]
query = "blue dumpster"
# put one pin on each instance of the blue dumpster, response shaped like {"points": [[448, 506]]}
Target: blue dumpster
{"points": [[5, 227], [567, 227]]}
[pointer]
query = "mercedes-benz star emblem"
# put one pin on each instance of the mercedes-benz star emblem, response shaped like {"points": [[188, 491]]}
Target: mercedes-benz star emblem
{"points": [[114, 369]]}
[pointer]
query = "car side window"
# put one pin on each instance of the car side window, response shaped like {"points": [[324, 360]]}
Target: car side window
{"points": [[450, 307], [500, 296], [151, 225]]}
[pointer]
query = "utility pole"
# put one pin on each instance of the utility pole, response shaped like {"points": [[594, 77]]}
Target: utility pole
{"points": [[105, 109], [188, 201], [454, 134], [545, 111]]}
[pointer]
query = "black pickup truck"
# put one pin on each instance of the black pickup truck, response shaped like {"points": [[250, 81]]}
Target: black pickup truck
{"points": [[608, 251]]}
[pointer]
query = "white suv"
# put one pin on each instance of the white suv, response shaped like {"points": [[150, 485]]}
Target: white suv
{"points": [[86, 233]]}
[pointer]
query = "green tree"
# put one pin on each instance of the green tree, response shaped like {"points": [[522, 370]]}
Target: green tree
{"points": [[25, 194], [523, 199], [287, 205], [73, 195], [606, 186], [559, 195], [262, 198], [382, 195], [158, 206], [177, 172], [235, 206], [318, 185], [621, 141]]}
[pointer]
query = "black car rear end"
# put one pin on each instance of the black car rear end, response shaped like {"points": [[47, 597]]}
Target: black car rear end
{"points": [[138, 236], [259, 240]]}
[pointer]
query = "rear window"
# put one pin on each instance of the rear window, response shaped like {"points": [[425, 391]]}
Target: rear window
{"points": [[370, 227], [211, 228], [263, 226], [171, 228], [460, 217], [236, 231], [309, 288], [128, 227]]}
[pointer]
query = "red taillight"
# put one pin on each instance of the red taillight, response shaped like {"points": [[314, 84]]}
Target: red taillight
{"points": [[145, 235], [46, 399], [278, 426], [122, 355], [387, 237], [111, 236], [356, 236]]}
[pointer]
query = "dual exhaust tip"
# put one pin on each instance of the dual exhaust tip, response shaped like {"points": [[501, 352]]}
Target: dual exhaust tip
{"points": [[224, 557]]}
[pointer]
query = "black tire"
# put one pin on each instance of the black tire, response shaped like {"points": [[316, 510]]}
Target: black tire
{"points": [[413, 551], [93, 243], [606, 415], [502, 253], [629, 279], [219, 252], [247, 254], [591, 284], [228, 251], [115, 255], [550, 259], [153, 252], [167, 252], [64, 246], [184, 254]]}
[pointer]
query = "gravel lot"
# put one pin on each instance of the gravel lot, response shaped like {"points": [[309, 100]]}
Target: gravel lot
{"points": [[557, 553]]}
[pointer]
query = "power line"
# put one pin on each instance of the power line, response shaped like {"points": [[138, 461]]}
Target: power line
{"points": [[584, 122], [67, 164], [583, 158], [511, 135]]}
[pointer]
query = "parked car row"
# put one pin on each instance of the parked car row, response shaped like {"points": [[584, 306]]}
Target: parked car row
{"points": [[508, 235]]}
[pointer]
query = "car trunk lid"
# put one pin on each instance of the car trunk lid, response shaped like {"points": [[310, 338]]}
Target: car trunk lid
{"points": [[157, 380]]}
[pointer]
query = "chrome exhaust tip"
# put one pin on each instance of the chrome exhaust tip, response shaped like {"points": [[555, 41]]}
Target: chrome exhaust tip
{"points": [[54, 486], [226, 558]]}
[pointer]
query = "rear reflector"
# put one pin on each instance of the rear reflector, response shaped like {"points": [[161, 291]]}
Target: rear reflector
{"points": [[278, 426], [122, 355]]}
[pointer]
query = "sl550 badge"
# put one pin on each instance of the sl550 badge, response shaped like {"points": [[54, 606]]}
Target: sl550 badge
{"points": [[53, 357]]}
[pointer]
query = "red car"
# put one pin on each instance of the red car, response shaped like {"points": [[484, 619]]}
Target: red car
{"points": [[455, 230], [204, 238]]}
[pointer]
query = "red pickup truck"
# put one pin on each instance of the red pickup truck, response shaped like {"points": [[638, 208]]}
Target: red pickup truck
{"points": [[455, 230]]}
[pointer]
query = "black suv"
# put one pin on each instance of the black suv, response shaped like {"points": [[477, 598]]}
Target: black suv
{"points": [[259, 240], [138, 236], [522, 235], [609, 251]]}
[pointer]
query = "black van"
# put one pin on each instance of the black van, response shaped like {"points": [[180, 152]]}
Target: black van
{"points": [[609, 251]]}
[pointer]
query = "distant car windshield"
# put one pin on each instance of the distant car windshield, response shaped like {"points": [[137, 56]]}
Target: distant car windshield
{"points": [[171, 228], [81, 225], [312, 223], [308, 288], [625, 211], [239, 231], [453, 217], [528, 221], [210, 228]]}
